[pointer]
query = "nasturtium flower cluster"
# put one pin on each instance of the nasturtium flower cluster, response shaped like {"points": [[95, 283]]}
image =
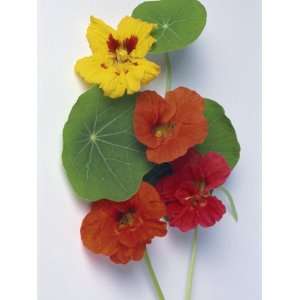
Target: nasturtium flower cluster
{"points": [[118, 64], [147, 161], [168, 129]]}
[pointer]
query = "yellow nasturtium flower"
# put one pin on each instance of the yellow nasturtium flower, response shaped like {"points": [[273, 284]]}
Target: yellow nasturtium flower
{"points": [[118, 63]]}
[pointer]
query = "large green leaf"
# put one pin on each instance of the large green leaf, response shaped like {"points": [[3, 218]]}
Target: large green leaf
{"points": [[221, 134], [179, 22], [101, 156]]}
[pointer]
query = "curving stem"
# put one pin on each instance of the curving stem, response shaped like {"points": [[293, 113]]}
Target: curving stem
{"points": [[153, 277], [190, 274]]}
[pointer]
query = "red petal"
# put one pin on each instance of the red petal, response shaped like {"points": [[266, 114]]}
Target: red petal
{"points": [[211, 213], [211, 167], [179, 164], [214, 169], [186, 189], [167, 187]]}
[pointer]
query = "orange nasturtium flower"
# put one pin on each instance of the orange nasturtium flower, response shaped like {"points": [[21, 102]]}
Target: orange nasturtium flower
{"points": [[169, 127], [118, 61], [121, 230]]}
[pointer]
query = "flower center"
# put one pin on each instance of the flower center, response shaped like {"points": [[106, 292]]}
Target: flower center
{"points": [[121, 55], [126, 218], [163, 131], [200, 197]]}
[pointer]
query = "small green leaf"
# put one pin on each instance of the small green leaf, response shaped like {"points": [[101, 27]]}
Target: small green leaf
{"points": [[101, 156], [221, 134], [180, 22], [232, 207]]}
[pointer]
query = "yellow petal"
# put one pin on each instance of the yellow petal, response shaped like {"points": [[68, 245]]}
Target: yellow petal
{"points": [[97, 34], [114, 84], [94, 69], [133, 79], [89, 69], [129, 26], [150, 69]]}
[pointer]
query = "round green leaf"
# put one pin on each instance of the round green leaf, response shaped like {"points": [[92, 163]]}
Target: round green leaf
{"points": [[180, 22], [101, 156], [221, 134]]}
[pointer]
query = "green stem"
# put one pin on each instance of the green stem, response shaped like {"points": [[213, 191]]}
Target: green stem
{"points": [[168, 72], [190, 275], [154, 280], [233, 210]]}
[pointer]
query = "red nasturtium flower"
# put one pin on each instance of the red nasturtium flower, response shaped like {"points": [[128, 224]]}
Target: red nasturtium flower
{"points": [[188, 191], [121, 230], [169, 127]]}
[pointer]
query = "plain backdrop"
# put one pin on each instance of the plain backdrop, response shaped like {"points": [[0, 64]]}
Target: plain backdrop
{"points": [[224, 65]]}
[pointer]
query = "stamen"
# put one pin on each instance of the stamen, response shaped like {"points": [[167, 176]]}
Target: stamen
{"points": [[164, 130], [126, 218]]}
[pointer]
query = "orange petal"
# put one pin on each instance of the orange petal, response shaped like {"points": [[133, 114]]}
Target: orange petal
{"points": [[150, 206], [189, 104], [125, 254], [98, 232], [150, 110]]}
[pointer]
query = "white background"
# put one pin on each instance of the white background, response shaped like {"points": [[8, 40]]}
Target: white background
{"points": [[224, 65], [281, 94]]}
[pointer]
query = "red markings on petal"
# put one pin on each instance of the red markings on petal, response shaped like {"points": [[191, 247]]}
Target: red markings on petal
{"points": [[112, 44], [130, 43]]}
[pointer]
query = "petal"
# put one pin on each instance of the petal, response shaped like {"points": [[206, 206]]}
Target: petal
{"points": [[150, 70], [150, 108], [129, 27], [148, 202], [179, 164], [181, 216], [114, 84], [215, 169], [93, 69], [155, 228], [130, 237], [144, 233], [168, 151], [97, 232], [193, 126], [125, 254], [186, 190], [134, 77], [98, 35], [211, 213], [167, 187], [189, 103], [138, 252], [190, 126], [121, 256]]}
